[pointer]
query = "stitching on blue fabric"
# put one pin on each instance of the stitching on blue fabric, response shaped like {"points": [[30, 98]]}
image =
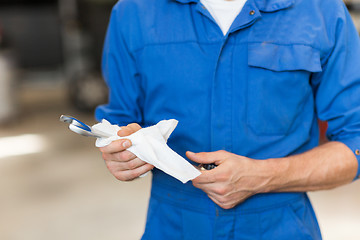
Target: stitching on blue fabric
{"points": [[185, 206], [243, 211], [173, 43], [290, 44], [169, 187], [217, 42]]}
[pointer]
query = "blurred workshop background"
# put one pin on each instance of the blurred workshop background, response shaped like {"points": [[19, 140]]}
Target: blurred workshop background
{"points": [[53, 183]]}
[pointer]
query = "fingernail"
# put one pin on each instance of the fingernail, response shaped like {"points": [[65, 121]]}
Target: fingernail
{"points": [[118, 132], [126, 144], [190, 154]]}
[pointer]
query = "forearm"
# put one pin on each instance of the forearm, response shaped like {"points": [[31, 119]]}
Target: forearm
{"points": [[324, 167]]}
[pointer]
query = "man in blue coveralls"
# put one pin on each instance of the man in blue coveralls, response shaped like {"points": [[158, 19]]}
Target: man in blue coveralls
{"points": [[248, 99]]}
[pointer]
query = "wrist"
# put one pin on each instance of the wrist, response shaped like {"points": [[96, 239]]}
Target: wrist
{"points": [[278, 172]]}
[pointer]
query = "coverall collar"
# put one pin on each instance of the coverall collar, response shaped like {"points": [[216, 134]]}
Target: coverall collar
{"points": [[263, 5]]}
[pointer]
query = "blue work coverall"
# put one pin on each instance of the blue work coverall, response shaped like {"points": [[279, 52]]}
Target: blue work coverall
{"points": [[257, 92]]}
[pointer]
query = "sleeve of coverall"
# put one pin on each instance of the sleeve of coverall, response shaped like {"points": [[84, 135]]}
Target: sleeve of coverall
{"points": [[119, 70], [337, 93]]}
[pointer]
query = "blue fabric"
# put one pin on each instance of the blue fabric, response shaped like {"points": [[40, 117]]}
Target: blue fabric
{"points": [[181, 214], [256, 92]]}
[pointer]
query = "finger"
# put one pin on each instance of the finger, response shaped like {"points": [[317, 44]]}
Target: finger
{"points": [[129, 129], [207, 157], [211, 176], [214, 199], [132, 164], [134, 126], [116, 146], [222, 204], [135, 173], [204, 178], [123, 156], [204, 187], [116, 166], [215, 189]]}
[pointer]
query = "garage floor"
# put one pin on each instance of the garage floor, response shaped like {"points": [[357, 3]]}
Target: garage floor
{"points": [[54, 184]]}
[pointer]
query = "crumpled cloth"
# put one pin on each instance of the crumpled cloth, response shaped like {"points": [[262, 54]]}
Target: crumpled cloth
{"points": [[149, 144]]}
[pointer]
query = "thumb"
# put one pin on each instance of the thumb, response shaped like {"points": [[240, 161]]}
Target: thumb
{"points": [[203, 157], [128, 130]]}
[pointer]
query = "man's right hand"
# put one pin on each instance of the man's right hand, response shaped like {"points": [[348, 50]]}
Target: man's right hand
{"points": [[123, 164]]}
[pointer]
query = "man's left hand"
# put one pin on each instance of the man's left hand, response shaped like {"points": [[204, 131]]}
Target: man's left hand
{"points": [[235, 178]]}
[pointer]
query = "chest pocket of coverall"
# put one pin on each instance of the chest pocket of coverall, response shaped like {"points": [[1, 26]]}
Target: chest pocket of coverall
{"points": [[279, 88]]}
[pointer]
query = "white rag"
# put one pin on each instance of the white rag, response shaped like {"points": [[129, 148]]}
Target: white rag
{"points": [[149, 144]]}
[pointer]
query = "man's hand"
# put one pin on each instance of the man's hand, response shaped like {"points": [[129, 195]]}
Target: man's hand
{"points": [[235, 179], [124, 165]]}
